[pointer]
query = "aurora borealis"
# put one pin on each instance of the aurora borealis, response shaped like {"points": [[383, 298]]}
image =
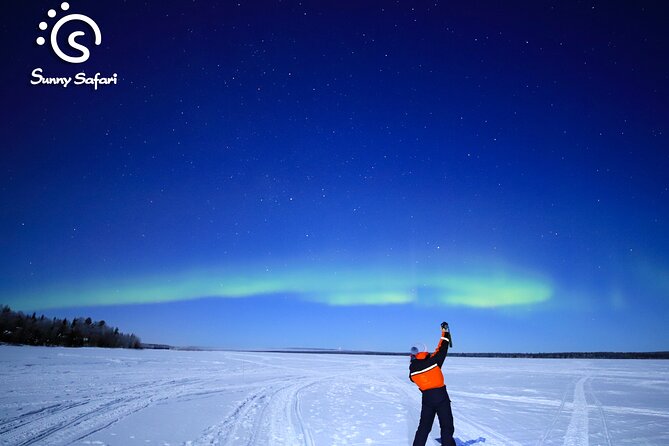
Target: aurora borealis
{"points": [[333, 286], [345, 174]]}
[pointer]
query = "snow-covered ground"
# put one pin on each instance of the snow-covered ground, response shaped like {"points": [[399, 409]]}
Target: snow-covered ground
{"points": [[121, 397]]}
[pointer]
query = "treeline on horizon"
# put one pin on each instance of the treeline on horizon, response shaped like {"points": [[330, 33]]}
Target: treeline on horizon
{"points": [[561, 355], [19, 328]]}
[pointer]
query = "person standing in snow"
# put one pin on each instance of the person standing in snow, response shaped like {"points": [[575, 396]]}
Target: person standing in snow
{"points": [[425, 372]]}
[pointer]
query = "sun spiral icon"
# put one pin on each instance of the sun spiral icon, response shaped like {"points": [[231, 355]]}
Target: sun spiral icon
{"points": [[71, 39]]}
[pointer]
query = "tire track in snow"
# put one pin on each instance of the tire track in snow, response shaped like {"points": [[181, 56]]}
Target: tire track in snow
{"points": [[79, 419], [240, 417], [76, 420], [36, 415], [286, 421], [557, 415], [248, 422], [58, 422], [13, 425], [65, 428], [577, 431], [601, 413], [306, 433], [224, 432]]}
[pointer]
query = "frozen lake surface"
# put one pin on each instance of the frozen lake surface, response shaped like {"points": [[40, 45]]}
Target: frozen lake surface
{"points": [[60, 396]]}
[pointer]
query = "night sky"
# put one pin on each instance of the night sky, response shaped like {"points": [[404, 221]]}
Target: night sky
{"points": [[343, 174]]}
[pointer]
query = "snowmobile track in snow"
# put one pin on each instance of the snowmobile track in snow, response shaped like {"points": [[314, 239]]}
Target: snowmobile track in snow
{"points": [[577, 431], [76, 396], [273, 412], [556, 416], [602, 416]]}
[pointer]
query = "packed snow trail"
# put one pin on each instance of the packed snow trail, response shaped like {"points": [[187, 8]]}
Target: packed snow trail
{"points": [[577, 431], [60, 396]]}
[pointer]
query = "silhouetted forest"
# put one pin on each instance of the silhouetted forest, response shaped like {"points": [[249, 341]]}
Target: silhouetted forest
{"points": [[19, 328]]}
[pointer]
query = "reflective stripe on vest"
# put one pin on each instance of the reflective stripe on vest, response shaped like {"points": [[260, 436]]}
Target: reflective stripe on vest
{"points": [[424, 370]]}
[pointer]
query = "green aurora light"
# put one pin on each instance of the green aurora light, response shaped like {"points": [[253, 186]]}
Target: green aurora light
{"points": [[336, 287]]}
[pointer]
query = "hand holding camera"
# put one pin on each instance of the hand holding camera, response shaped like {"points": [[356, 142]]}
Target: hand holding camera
{"points": [[445, 329]]}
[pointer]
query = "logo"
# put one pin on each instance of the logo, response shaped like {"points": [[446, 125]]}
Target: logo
{"points": [[83, 53], [72, 38]]}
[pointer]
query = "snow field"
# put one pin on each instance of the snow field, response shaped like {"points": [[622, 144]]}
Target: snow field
{"points": [[59, 396]]}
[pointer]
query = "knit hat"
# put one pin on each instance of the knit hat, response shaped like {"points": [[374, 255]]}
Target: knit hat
{"points": [[418, 347]]}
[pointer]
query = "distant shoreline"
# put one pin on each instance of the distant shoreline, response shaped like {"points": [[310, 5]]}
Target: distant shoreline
{"points": [[562, 355], [558, 355]]}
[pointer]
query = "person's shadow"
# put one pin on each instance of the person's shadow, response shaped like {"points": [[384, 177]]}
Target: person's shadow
{"points": [[459, 442]]}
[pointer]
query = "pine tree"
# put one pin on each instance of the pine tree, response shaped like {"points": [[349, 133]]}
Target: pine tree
{"points": [[18, 328]]}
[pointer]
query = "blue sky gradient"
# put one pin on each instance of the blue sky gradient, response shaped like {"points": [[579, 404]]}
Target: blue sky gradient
{"points": [[285, 174]]}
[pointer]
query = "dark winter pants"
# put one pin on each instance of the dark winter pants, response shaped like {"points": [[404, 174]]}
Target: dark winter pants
{"points": [[435, 402]]}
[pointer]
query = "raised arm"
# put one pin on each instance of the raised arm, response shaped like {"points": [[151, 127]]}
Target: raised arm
{"points": [[442, 348]]}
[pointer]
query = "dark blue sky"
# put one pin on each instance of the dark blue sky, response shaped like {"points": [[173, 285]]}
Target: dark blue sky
{"points": [[271, 174]]}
